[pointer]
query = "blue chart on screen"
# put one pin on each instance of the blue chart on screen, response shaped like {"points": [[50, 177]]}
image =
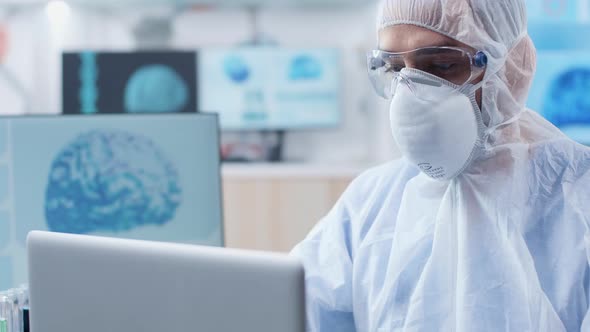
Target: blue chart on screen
{"points": [[305, 67], [271, 88], [89, 73], [110, 180], [156, 89]]}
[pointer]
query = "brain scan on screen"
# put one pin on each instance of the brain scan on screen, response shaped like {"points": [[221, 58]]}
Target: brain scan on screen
{"points": [[156, 89], [135, 176], [110, 180]]}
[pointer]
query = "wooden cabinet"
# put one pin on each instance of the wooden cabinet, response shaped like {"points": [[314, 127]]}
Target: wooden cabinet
{"points": [[274, 207]]}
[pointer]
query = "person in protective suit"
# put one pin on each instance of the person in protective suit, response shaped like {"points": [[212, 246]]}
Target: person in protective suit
{"points": [[484, 224]]}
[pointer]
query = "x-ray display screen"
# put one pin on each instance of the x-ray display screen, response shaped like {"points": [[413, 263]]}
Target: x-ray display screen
{"points": [[148, 177], [128, 82], [561, 91], [270, 88]]}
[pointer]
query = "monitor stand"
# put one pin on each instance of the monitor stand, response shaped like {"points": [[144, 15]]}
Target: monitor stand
{"points": [[264, 146], [275, 153]]}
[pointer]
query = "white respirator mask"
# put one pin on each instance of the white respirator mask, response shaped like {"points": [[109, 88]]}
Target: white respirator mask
{"points": [[437, 125]]}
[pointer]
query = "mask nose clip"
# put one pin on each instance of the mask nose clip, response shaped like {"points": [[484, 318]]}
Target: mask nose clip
{"points": [[414, 80], [400, 78], [397, 79]]}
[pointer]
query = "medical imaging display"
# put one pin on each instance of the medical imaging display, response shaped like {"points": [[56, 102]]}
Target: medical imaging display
{"points": [[569, 91], [129, 82], [141, 176], [270, 88], [560, 92], [110, 180]]}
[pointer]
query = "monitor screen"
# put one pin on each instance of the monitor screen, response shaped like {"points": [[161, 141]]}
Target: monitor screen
{"points": [[554, 10], [151, 177], [560, 91], [559, 36], [260, 88], [128, 82]]}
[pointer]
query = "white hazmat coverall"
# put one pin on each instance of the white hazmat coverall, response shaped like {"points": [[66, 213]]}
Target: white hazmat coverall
{"points": [[501, 247]]}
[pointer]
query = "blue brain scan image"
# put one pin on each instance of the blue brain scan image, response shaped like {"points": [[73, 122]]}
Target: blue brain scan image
{"points": [[305, 67], [567, 101], [236, 69], [110, 180], [156, 89]]}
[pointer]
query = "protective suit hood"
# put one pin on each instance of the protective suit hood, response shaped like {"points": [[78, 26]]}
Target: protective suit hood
{"points": [[499, 28]]}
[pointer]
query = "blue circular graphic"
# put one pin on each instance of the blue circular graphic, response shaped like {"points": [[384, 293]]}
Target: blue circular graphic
{"points": [[236, 69], [156, 89]]}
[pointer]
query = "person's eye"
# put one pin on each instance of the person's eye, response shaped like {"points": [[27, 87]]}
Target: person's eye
{"points": [[444, 67], [377, 63], [393, 67]]}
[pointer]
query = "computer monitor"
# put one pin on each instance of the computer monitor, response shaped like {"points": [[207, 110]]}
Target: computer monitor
{"points": [[564, 36], [149, 176], [128, 82], [560, 87], [554, 10], [270, 88], [93, 284], [560, 92]]}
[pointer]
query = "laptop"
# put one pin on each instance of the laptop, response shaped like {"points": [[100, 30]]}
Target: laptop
{"points": [[95, 284]]}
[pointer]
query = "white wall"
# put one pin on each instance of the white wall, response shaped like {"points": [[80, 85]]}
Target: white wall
{"points": [[363, 137]]}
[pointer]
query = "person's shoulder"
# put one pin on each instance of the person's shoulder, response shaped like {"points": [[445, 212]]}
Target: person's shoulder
{"points": [[366, 195], [563, 156], [560, 169]]}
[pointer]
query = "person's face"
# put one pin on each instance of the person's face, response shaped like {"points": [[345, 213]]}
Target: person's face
{"points": [[403, 38]]}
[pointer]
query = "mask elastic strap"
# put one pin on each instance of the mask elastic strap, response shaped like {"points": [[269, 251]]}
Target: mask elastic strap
{"points": [[468, 89], [479, 85], [503, 124]]}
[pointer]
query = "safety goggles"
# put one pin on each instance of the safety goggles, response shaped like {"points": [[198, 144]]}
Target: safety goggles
{"points": [[455, 65]]}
